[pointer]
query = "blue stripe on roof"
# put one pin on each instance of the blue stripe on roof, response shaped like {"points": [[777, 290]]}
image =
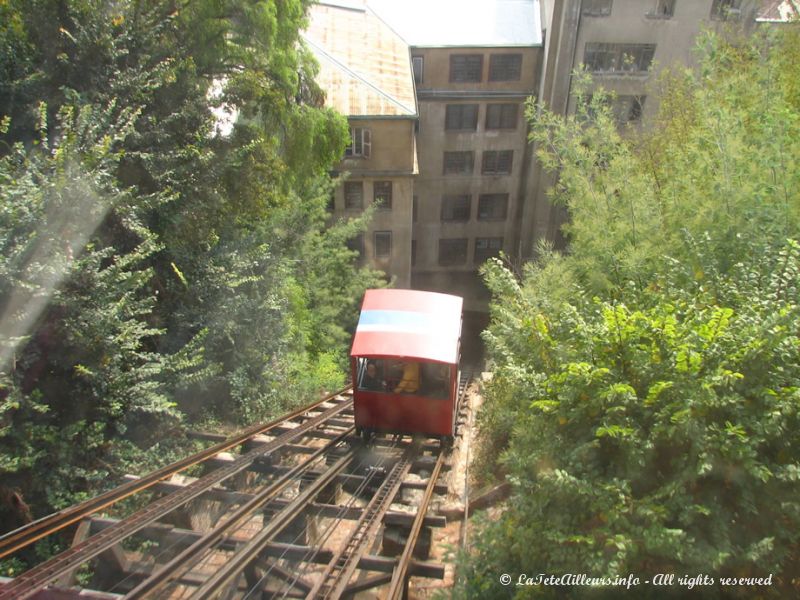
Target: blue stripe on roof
{"points": [[401, 319]]}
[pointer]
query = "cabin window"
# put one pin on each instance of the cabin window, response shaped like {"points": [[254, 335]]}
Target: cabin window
{"points": [[420, 378], [370, 375]]}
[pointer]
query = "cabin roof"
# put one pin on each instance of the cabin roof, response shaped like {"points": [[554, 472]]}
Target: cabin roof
{"points": [[409, 324]]}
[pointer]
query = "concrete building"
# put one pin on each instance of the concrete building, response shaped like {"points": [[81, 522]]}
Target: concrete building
{"points": [[463, 125], [623, 45], [371, 82], [442, 84], [472, 82]]}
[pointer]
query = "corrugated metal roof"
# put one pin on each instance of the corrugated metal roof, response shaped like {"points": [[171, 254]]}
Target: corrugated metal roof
{"points": [[409, 324], [463, 23], [365, 67]]}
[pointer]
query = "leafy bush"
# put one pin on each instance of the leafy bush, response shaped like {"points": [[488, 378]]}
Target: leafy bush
{"points": [[647, 383]]}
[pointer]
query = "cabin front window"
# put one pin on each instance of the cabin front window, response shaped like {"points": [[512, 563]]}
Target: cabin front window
{"points": [[426, 379]]}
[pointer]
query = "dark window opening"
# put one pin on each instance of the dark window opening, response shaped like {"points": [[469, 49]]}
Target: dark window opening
{"points": [[382, 193], [452, 251], [383, 244], [596, 8], [458, 163], [726, 9], [486, 248], [466, 67], [455, 207], [501, 116], [356, 244], [417, 64], [492, 207], [663, 9], [618, 58], [353, 194], [505, 67], [461, 117], [497, 162], [360, 142]]}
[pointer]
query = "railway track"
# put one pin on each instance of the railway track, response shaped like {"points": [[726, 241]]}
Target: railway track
{"points": [[296, 514], [24, 536]]}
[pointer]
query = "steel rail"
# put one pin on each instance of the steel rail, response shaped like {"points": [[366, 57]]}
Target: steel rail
{"points": [[343, 510], [186, 559], [33, 580], [341, 567], [397, 587], [36, 530], [237, 563], [398, 584]]}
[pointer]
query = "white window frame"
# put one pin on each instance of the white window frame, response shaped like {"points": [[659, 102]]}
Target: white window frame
{"points": [[360, 143]]}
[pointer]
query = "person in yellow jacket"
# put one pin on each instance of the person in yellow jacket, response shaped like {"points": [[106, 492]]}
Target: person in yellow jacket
{"points": [[410, 381]]}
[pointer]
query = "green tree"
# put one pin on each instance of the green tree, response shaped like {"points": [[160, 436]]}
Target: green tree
{"points": [[157, 263], [646, 383]]}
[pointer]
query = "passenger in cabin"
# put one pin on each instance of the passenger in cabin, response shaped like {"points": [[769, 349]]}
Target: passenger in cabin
{"points": [[371, 380], [410, 381]]}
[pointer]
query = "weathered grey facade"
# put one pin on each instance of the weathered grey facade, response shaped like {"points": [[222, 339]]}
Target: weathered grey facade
{"points": [[442, 85], [372, 84]]}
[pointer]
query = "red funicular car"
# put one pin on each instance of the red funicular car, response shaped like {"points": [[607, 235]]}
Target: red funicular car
{"points": [[404, 362]]}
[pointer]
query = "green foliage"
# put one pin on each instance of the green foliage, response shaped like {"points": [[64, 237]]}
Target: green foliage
{"points": [[646, 385], [83, 369], [157, 267]]}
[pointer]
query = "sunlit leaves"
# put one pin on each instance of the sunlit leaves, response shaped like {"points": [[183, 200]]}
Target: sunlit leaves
{"points": [[652, 424]]}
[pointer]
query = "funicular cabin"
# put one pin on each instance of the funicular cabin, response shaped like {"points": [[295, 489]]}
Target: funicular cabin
{"points": [[404, 362]]}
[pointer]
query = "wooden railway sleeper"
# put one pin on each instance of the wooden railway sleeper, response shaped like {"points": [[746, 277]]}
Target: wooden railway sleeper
{"points": [[253, 548], [339, 570], [45, 526], [191, 555], [399, 582], [33, 580]]}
